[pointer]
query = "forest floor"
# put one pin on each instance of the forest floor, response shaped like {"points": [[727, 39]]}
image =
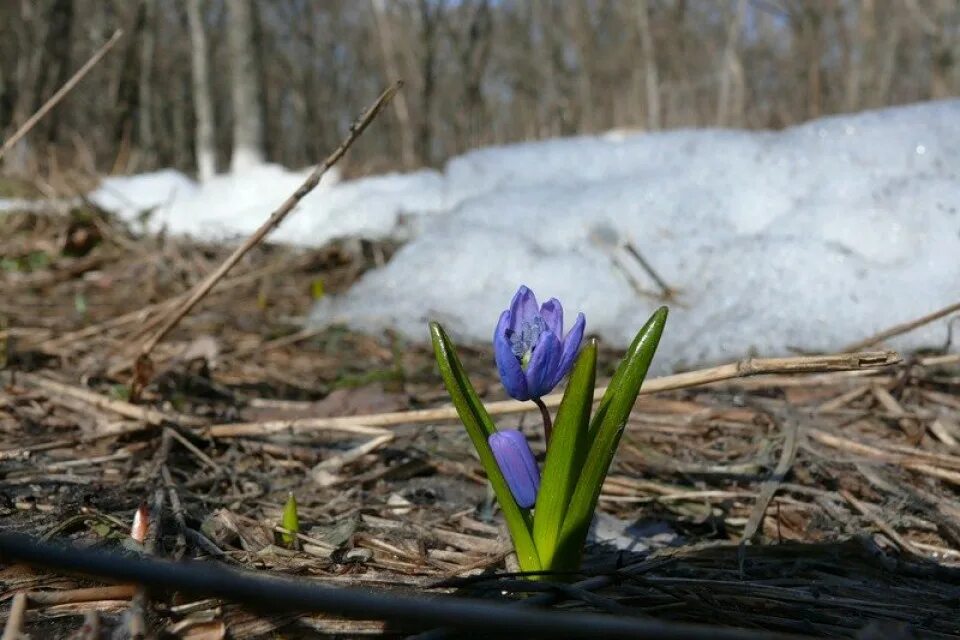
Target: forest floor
{"points": [[845, 483]]}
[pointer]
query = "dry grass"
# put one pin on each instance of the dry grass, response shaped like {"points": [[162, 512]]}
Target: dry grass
{"points": [[814, 504]]}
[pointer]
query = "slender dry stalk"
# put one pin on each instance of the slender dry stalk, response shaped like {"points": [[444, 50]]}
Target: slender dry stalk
{"points": [[152, 417], [63, 91], [15, 618], [905, 327], [271, 223], [742, 368], [769, 488], [879, 522], [86, 594]]}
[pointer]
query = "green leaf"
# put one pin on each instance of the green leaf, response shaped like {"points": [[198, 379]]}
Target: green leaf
{"points": [[605, 430], [479, 427], [290, 521], [565, 454]]}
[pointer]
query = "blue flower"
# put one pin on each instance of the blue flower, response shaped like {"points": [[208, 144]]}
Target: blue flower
{"points": [[527, 345], [517, 464]]}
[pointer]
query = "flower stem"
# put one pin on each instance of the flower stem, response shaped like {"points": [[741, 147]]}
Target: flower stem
{"points": [[547, 422]]}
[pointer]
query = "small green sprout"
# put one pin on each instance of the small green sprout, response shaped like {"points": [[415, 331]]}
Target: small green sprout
{"points": [[290, 521]]}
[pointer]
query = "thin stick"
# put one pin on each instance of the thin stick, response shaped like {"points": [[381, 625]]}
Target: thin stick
{"points": [[177, 508], [769, 488], [748, 367], [880, 523], [15, 619], [899, 329], [58, 96], [88, 594], [665, 289], [802, 364], [152, 417], [272, 222]]}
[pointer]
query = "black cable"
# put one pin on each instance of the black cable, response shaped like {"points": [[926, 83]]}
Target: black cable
{"points": [[277, 595]]}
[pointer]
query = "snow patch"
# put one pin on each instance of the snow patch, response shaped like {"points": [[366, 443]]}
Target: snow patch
{"points": [[236, 204], [808, 238]]}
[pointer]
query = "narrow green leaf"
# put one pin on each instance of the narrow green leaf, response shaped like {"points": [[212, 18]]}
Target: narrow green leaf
{"points": [[479, 427], [605, 430], [565, 455], [290, 521]]}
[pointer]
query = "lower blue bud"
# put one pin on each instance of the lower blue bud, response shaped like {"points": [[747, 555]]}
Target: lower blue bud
{"points": [[517, 464]]}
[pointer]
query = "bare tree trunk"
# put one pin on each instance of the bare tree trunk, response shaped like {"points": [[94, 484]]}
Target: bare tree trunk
{"points": [[651, 76], [475, 45], [247, 116], [934, 20], [429, 17], [55, 67], [861, 55], [145, 89], [814, 50], [578, 23], [731, 76], [546, 95], [886, 62], [388, 50], [202, 103], [181, 150]]}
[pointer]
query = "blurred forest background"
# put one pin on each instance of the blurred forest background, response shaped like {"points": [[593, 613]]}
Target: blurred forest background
{"points": [[210, 85]]}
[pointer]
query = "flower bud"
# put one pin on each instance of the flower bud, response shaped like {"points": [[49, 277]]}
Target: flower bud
{"points": [[517, 464]]}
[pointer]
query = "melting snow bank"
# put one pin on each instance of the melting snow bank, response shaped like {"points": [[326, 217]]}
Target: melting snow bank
{"points": [[234, 205], [809, 238]]}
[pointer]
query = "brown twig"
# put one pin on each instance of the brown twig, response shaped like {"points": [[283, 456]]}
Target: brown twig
{"points": [[271, 223], [176, 506], [152, 417], [87, 594], [788, 454], [666, 291], [905, 327], [58, 96], [880, 523], [15, 619], [802, 364], [749, 367]]}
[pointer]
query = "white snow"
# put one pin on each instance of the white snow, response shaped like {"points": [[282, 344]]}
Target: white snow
{"points": [[810, 238], [234, 205], [807, 238]]}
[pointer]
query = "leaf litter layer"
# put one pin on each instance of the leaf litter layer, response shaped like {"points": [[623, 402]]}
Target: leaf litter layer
{"points": [[818, 505]]}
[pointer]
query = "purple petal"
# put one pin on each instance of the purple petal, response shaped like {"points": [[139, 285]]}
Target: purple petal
{"points": [[516, 462], [542, 368], [552, 314], [571, 344], [523, 308], [511, 374]]}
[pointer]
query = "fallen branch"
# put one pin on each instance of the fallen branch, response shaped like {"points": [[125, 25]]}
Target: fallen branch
{"points": [[151, 417], [905, 327], [742, 368], [142, 366]]}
